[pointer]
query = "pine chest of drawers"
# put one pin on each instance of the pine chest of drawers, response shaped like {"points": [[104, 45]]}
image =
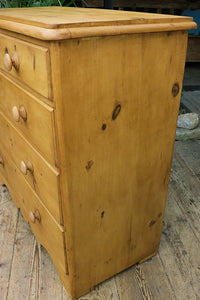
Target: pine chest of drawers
{"points": [[88, 108]]}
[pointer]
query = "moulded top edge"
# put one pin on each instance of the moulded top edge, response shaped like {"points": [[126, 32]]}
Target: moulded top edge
{"points": [[51, 23]]}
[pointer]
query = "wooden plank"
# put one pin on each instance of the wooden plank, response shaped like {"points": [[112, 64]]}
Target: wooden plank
{"points": [[33, 273], [186, 186], [24, 255], [145, 281], [50, 286], [60, 23], [179, 250], [4, 194], [127, 285], [32, 60], [189, 152], [68, 17], [120, 176], [44, 179], [14, 96], [191, 100], [153, 273], [8, 223], [193, 52]]}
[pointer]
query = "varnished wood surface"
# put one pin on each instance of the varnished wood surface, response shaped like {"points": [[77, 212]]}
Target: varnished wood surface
{"points": [[48, 232], [114, 156], [59, 17], [123, 168], [32, 58], [27, 271], [57, 23], [44, 179], [38, 127]]}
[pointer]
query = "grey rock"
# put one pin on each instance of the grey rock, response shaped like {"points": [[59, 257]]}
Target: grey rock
{"points": [[183, 134], [188, 121]]}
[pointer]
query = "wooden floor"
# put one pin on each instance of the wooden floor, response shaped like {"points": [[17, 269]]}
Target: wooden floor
{"points": [[27, 272]]}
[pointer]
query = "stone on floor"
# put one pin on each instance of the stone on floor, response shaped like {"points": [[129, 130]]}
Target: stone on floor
{"points": [[183, 134], [188, 121]]}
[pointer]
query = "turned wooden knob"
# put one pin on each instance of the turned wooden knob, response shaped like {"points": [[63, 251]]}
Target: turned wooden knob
{"points": [[15, 61], [17, 113], [33, 216], [1, 161], [25, 167], [7, 62]]}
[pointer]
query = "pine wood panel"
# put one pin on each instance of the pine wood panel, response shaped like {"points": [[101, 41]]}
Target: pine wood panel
{"points": [[32, 59], [129, 193], [44, 179], [38, 277], [39, 126], [114, 155], [47, 231], [81, 22], [69, 16]]}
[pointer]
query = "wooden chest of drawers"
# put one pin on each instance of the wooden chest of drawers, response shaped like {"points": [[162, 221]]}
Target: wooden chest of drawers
{"points": [[88, 107]]}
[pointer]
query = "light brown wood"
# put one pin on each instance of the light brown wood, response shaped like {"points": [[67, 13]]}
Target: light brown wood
{"points": [[26, 268], [45, 179], [112, 133], [1, 161], [37, 124], [130, 135], [7, 62], [33, 216], [15, 61], [17, 113], [76, 22], [25, 167], [48, 232], [32, 59]]}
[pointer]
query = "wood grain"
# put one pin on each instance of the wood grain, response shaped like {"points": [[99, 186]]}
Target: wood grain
{"points": [[32, 59], [115, 112], [49, 233], [79, 17], [38, 276], [82, 22], [179, 254], [44, 179], [129, 193], [8, 223], [38, 128]]}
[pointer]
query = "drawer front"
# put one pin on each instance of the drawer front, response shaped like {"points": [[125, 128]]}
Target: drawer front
{"points": [[27, 62], [36, 171], [46, 230], [36, 121]]}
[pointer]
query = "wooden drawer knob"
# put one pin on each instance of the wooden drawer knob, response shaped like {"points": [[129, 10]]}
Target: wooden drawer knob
{"points": [[9, 62], [15, 61], [1, 161], [33, 216], [25, 167], [17, 113]]}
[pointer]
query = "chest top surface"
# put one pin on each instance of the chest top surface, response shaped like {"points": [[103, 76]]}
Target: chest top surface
{"points": [[56, 23]]}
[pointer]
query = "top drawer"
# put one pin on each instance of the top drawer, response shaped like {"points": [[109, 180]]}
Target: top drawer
{"points": [[27, 62]]}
